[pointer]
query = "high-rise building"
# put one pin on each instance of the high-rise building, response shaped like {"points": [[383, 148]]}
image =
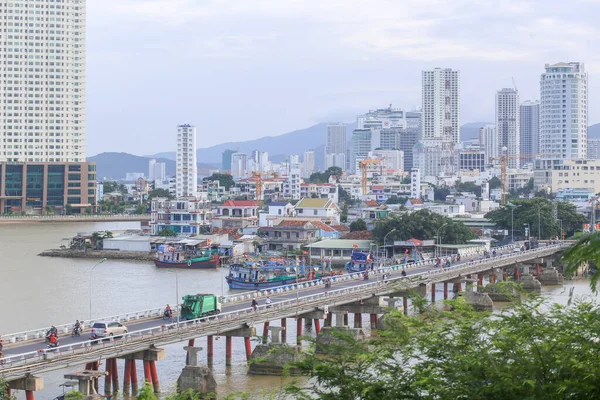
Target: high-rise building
{"points": [[593, 149], [335, 148], [415, 183], [409, 138], [508, 123], [239, 165], [186, 172], [392, 158], [308, 163], [42, 90], [226, 160], [488, 138], [530, 131], [361, 146], [157, 171], [563, 113], [440, 118]]}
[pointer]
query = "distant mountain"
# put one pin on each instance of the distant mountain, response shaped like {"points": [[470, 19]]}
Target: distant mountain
{"points": [[471, 130], [116, 165], [594, 131], [278, 147]]}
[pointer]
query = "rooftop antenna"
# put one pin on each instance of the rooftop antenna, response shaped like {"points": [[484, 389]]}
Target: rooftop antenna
{"points": [[514, 84]]}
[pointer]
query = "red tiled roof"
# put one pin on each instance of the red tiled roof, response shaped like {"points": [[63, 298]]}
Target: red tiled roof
{"points": [[372, 203], [377, 187], [322, 226], [291, 222], [341, 228], [239, 203], [359, 235], [416, 201], [234, 233], [417, 242]]}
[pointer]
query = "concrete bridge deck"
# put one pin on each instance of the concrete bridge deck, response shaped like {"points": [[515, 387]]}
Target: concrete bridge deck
{"points": [[33, 357]]}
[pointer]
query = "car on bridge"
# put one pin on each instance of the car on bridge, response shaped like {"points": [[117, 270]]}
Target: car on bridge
{"points": [[105, 329]]}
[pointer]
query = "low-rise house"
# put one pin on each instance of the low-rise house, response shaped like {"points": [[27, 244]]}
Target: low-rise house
{"points": [[323, 209], [289, 235], [186, 216], [339, 250], [320, 190], [237, 214], [276, 210]]}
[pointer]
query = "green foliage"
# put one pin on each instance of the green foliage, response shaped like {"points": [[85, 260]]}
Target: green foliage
{"points": [[528, 351], [495, 183], [140, 209], [406, 180], [440, 194], [74, 395], [343, 195], [422, 225], [110, 187], [146, 392], [4, 391], [167, 233], [526, 211], [344, 213], [468, 187], [358, 225], [586, 250], [69, 209], [159, 193], [396, 200], [225, 180], [323, 177]]}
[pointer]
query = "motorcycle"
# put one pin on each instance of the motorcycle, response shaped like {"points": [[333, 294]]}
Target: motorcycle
{"points": [[76, 331], [167, 314], [49, 333], [53, 345]]}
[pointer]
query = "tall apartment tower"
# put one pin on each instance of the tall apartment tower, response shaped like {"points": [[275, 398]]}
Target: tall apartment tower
{"points": [[488, 138], [508, 123], [308, 163], [440, 118], [530, 131], [186, 184], [563, 113], [335, 147], [42, 89], [239, 165]]}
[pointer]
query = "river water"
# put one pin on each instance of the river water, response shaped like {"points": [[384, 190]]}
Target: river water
{"points": [[41, 291]]}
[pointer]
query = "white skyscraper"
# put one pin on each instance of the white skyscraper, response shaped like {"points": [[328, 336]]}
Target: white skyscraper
{"points": [[508, 122], [530, 131], [239, 165], [563, 113], [186, 174], [156, 171], [42, 89], [308, 163], [489, 141], [335, 147]]}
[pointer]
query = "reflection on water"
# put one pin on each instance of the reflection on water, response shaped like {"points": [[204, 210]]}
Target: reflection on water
{"points": [[45, 291]]}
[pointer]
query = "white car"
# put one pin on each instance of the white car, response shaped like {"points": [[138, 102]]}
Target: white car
{"points": [[107, 329]]}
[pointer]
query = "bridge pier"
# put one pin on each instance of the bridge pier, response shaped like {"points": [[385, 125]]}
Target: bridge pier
{"points": [[271, 358], [115, 375], [480, 280], [198, 378], [108, 377], [87, 382], [248, 346], [357, 320], [373, 320], [127, 377], [228, 351], [209, 350], [445, 290], [405, 305], [134, 377], [283, 330], [154, 375], [246, 332], [29, 384], [265, 334], [317, 326], [433, 292], [298, 331], [492, 278]]}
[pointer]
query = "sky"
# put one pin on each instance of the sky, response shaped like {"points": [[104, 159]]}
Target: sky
{"points": [[244, 69]]}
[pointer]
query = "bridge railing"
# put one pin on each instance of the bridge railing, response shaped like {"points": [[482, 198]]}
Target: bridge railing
{"points": [[154, 313], [249, 316]]}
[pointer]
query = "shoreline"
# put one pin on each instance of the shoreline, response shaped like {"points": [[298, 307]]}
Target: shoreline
{"points": [[99, 254], [63, 219]]}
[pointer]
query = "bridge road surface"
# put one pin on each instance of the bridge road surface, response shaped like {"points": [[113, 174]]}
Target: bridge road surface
{"points": [[66, 339]]}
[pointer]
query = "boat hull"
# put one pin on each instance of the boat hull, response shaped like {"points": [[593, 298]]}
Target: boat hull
{"points": [[205, 264], [236, 284]]}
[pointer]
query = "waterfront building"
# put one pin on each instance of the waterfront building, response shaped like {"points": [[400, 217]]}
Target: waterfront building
{"points": [[563, 113], [43, 85], [362, 144], [291, 186], [530, 131], [320, 190], [38, 188], [593, 148], [324, 209], [187, 168], [335, 147], [184, 216], [570, 174], [508, 125], [236, 214]]}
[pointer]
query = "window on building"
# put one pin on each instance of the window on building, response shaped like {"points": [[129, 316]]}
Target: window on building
{"points": [[74, 177]]}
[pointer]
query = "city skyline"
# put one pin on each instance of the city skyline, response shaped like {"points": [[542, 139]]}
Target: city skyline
{"points": [[341, 68]]}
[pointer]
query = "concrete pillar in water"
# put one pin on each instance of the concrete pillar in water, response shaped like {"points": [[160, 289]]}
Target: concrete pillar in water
{"points": [[445, 290], [210, 350], [228, 351], [357, 320], [283, 330], [433, 292]]}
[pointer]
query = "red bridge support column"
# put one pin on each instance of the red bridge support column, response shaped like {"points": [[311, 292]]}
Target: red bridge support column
{"points": [[284, 331], [228, 351], [346, 319], [480, 280], [317, 326], [134, 378], [265, 334], [108, 377], [154, 375], [210, 350], [445, 290], [248, 346], [298, 331], [147, 372], [357, 320], [517, 274], [191, 343], [29, 395], [492, 278], [127, 378], [405, 305], [433, 292], [115, 375]]}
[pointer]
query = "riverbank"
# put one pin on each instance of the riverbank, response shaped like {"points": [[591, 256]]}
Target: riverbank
{"points": [[25, 219], [99, 254]]}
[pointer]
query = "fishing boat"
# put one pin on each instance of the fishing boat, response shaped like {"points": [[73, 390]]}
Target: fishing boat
{"points": [[168, 257], [257, 275], [360, 261]]}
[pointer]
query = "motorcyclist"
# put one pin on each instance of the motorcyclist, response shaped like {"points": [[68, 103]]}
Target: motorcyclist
{"points": [[53, 340], [1, 347], [254, 304], [328, 283], [168, 311], [50, 332], [403, 273], [268, 302], [76, 328]]}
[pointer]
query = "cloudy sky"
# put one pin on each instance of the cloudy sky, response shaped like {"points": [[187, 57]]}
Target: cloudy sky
{"points": [[241, 69]]}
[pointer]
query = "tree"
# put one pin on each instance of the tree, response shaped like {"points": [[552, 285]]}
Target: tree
{"points": [[495, 183], [343, 195], [159, 193], [323, 177], [74, 395], [537, 212], [140, 209], [586, 250], [422, 225], [344, 213], [358, 225], [468, 187], [69, 209], [167, 233], [396, 200], [146, 392], [225, 180], [4, 391], [527, 351], [110, 187], [441, 193]]}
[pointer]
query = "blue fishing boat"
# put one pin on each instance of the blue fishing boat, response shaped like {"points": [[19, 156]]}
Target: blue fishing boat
{"points": [[360, 261], [258, 275]]}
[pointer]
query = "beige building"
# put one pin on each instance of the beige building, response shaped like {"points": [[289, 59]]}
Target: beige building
{"points": [[571, 174]]}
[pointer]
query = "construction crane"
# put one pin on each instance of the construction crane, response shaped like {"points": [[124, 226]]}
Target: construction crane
{"points": [[504, 168], [259, 180], [363, 168]]}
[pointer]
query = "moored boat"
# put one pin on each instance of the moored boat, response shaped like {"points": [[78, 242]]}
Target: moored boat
{"points": [[360, 261], [201, 259], [257, 275]]}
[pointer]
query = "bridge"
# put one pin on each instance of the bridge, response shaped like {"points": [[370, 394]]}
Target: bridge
{"points": [[26, 353]]}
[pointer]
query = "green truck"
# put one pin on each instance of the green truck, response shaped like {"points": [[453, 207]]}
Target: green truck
{"points": [[199, 306]]}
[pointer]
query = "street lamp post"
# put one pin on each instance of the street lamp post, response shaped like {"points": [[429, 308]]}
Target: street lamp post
{"points": [[528, 234], [90, 291], [177, 295], [384, 239], [438, 236]]}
